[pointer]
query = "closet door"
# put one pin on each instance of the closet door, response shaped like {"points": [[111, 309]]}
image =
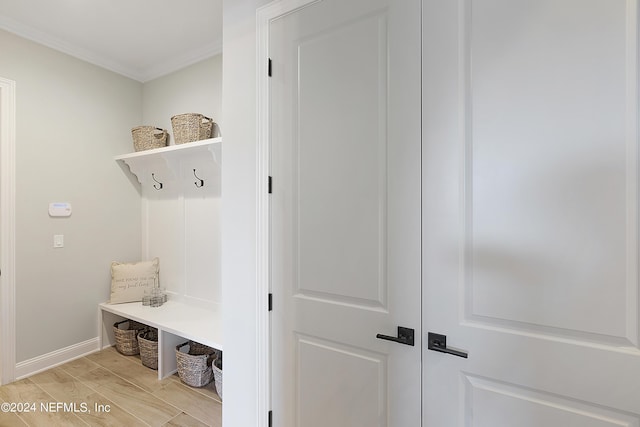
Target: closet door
{"points": [[530, 212]]}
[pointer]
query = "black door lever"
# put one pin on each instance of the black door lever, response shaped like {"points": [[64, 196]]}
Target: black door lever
{"points": [[438, 342], [405, 336]]}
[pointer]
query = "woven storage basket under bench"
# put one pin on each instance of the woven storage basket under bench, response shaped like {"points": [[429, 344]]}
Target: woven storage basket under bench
{"points": [[194, 363], [126, 335], [148, 343], [216, 366]]}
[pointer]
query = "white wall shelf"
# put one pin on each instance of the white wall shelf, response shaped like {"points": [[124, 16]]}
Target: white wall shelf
{"points": [[166, 162], [176, 322]]}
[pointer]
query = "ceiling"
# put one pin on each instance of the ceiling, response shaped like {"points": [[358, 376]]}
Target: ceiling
{"points": [[141, 39]]}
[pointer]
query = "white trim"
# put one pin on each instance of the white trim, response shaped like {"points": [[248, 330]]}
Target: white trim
{"points": [[633, 320], [263, 319], [7, 230], [55, 358], [264, 16]]}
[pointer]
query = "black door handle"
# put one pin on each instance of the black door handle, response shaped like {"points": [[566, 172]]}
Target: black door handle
{"points": [[438, 342], [405, 336]]}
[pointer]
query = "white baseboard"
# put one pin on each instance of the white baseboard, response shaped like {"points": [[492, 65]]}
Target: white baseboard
{"points": [[58, 357]]}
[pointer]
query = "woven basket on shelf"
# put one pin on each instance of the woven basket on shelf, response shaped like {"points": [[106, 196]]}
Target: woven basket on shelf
{"points": [[194, 362], [191, 127], [148, 137], [217, 373], [148, 343], [126, 334]]}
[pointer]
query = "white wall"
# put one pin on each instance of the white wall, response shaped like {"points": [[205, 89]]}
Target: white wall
{"points": [[239, 211], [183, 229], [72, 118]]}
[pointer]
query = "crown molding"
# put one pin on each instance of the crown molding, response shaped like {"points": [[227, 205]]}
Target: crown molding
{"points": [[44, 39], [142, 75], [179, 62]]}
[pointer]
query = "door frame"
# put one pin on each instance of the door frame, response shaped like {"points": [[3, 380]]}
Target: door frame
{"points": [[7, 229], [264, 16]]}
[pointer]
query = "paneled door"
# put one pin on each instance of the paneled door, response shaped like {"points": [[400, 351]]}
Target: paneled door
{"points": [[345, 214], [530, 223]]}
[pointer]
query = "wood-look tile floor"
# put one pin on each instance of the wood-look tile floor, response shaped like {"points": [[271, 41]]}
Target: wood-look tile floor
{"points": [[107, 389]]}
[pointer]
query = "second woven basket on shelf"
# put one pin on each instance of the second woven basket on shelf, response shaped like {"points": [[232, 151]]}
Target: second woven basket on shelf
{"points": [[190, 127]]}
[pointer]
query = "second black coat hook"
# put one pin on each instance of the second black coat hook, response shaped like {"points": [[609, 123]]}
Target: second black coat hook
{"points": [[200, 182]]}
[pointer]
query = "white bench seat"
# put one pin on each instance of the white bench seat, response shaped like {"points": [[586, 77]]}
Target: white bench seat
{"points": [[176, 322]]}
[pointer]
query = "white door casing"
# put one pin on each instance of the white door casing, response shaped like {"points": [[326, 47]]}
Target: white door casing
{"points": [[345, 213], [530, 212], [7, 229]]}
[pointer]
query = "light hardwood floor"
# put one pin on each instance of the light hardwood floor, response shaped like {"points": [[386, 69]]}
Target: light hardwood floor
{"points": [[107, 389]]}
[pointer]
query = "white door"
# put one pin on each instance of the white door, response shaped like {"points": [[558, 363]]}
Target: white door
{"points": [[345, 214], [530, 224]]}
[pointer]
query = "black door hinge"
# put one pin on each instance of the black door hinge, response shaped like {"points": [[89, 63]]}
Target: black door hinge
{"points": [[270, 418], [269, 71], [270, 185], [270, 302]]}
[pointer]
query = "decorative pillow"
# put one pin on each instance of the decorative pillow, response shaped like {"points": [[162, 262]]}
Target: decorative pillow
{"points": [[130, 280]]}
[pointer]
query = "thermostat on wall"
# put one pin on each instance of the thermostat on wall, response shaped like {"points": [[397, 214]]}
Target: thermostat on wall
{"points": [[59, 209]]}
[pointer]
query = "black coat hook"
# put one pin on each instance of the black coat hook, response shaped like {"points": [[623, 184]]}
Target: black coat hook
{"points": [[198, 184], [154, 185]]}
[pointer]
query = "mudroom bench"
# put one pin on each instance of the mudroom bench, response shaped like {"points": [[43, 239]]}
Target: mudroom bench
{"points": [[176, 321]]}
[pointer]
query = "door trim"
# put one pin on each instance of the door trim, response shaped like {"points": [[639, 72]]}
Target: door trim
{"points": [[7, 229], [264, 16]]}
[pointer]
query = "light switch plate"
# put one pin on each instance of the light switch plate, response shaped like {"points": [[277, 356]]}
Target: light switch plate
{"points": [[58, 240]]}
